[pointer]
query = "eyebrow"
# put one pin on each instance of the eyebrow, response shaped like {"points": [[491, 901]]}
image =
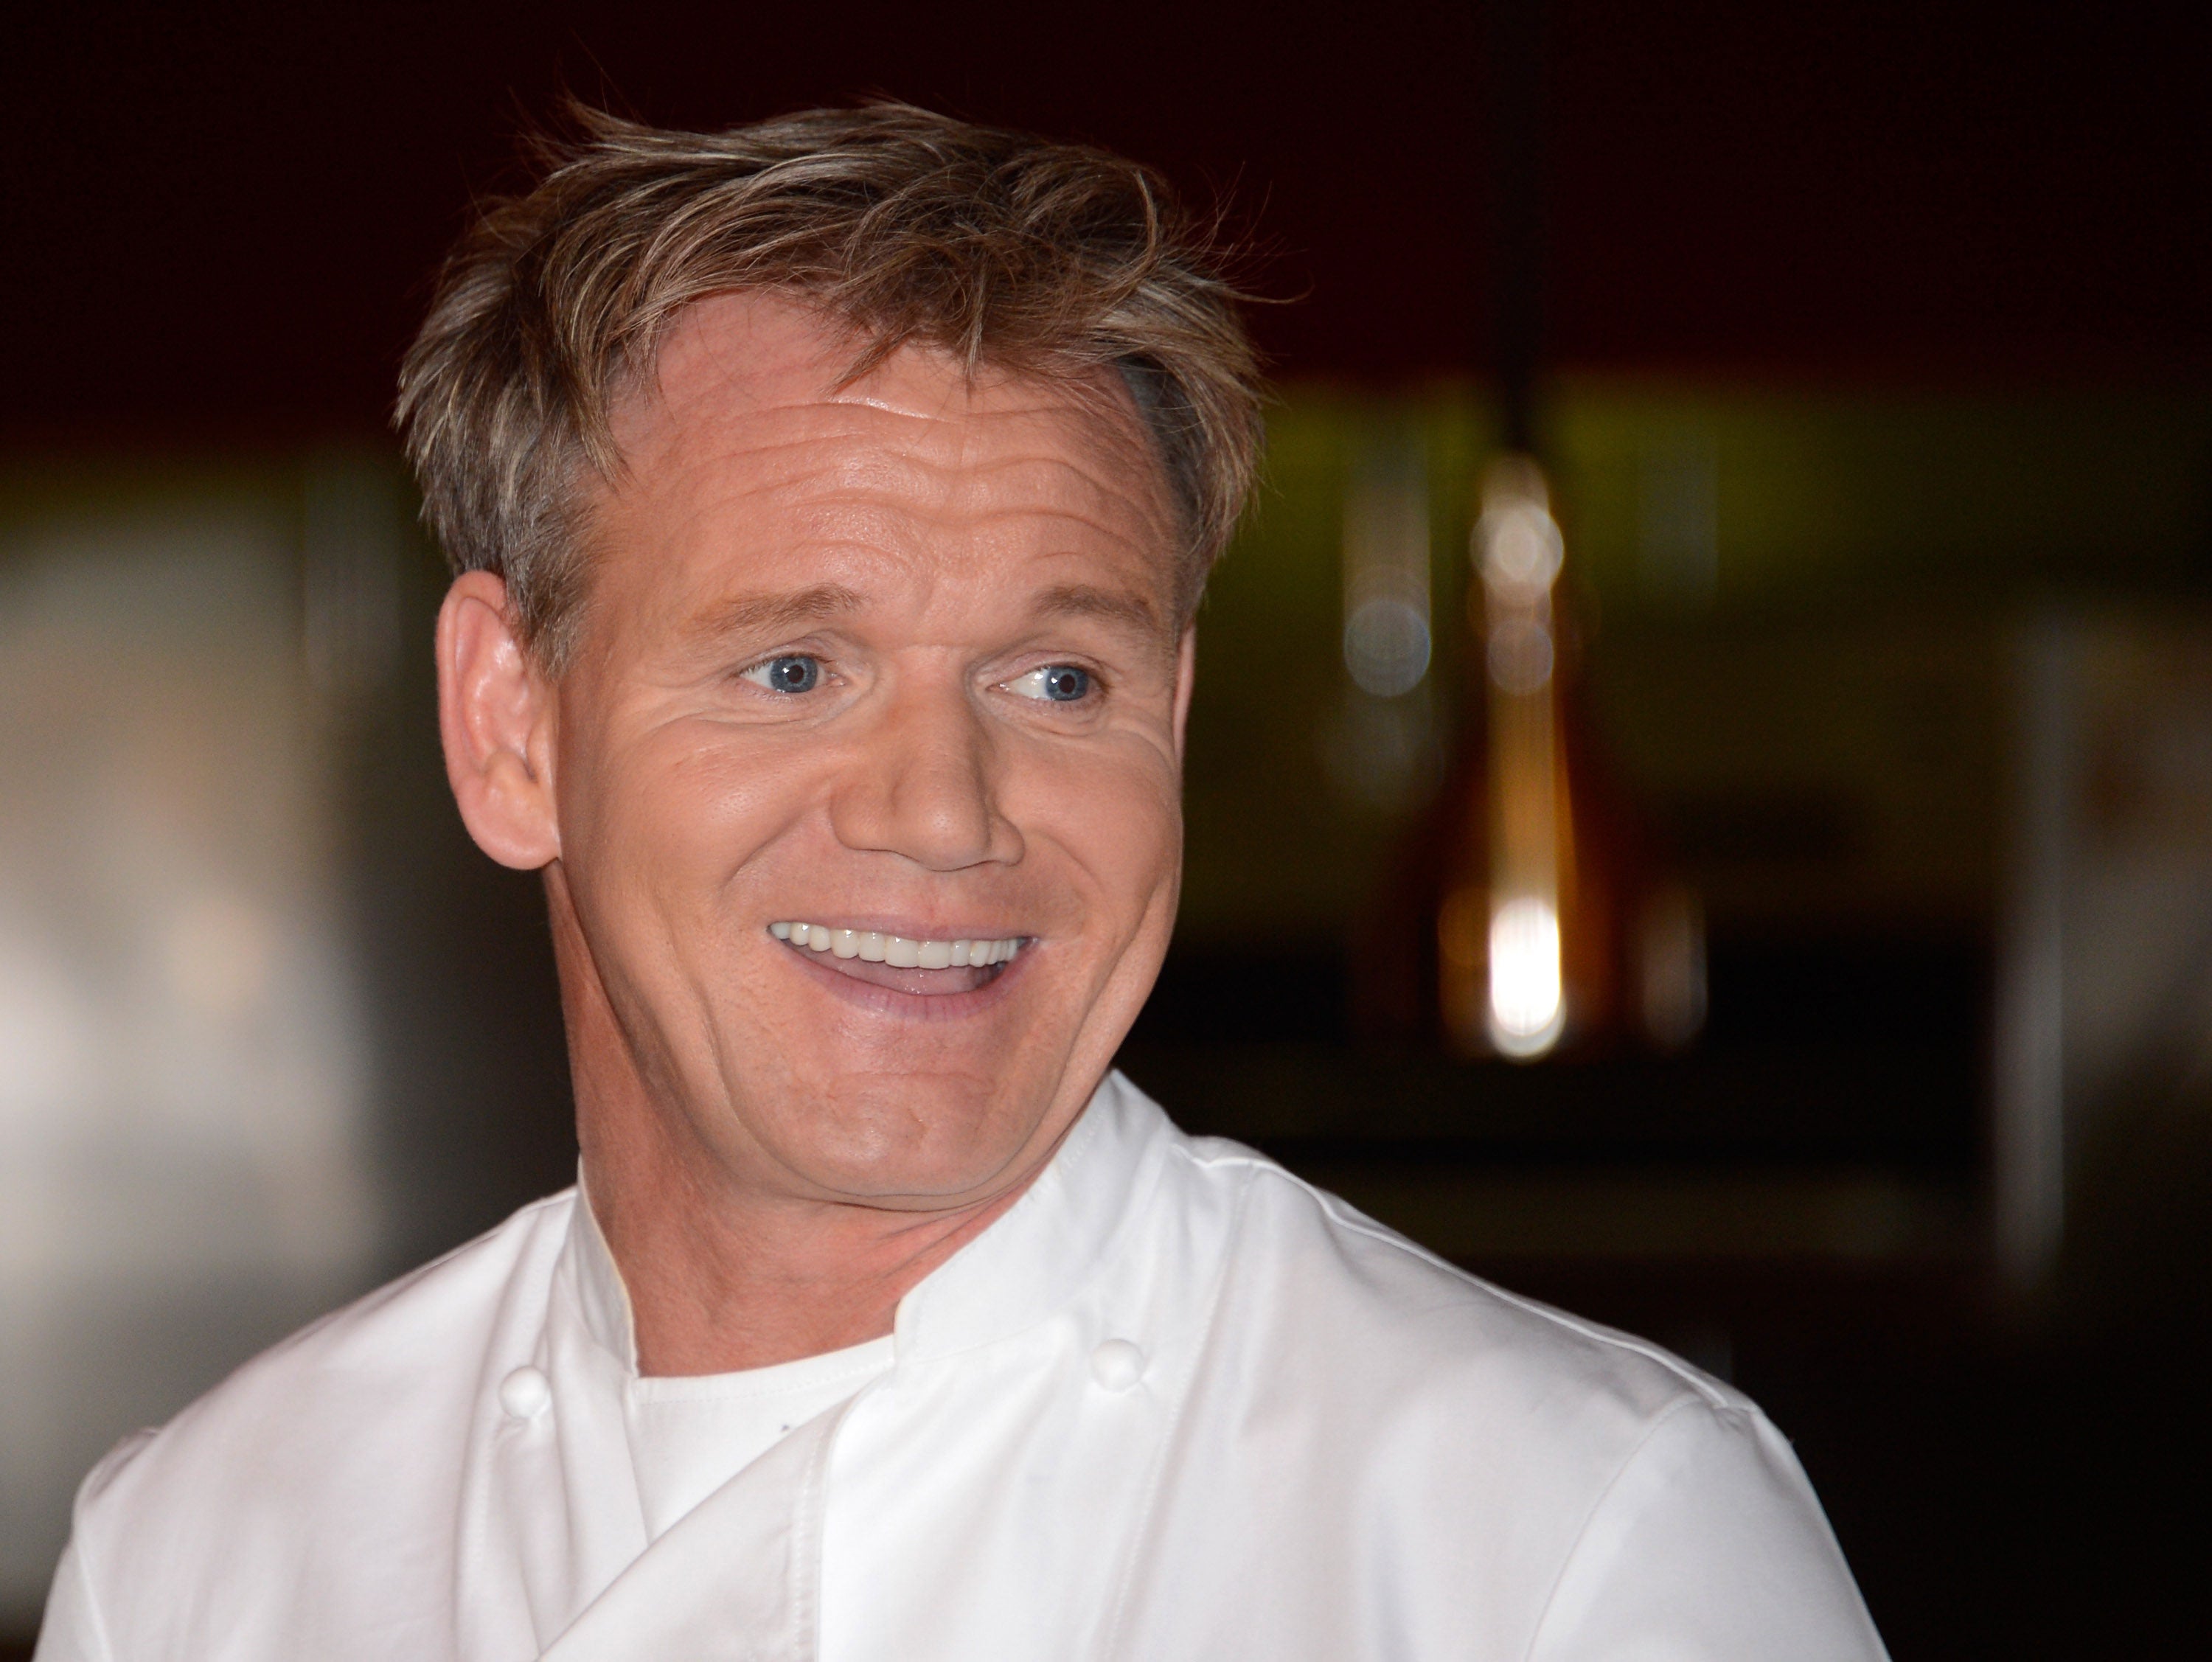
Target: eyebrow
{"points": [[775, 614], [1118, 605]]}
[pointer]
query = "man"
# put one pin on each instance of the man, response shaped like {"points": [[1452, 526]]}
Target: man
{"points": [[831, 499]]}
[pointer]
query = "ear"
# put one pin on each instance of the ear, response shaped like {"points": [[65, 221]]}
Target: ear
{"points": [[495, 716], [1186, 678]]}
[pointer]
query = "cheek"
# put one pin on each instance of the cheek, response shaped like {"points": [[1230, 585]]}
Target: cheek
{"points": [[1117, 815], [672, 816]]}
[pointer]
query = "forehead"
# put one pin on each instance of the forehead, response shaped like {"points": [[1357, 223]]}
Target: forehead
{"points": [[754, 427]]}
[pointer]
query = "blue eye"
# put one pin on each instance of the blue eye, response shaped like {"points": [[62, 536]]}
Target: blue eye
{"points": [[1059, 684], [793, 674]]}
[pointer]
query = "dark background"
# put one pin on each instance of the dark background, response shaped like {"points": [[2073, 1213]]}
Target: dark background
{"points": [[219, 228], [220, 221]]}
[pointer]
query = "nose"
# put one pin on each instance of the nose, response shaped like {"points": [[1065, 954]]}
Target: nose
{"points": [[921, 784]]}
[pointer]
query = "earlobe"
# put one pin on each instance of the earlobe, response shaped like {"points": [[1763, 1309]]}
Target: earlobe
{"points": [[494, 717]]}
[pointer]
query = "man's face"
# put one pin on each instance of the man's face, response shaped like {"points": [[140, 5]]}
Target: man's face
{"points": [[897, 659]]}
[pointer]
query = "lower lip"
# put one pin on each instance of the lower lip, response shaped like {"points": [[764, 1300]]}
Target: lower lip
{"points": [[913, 1007]]}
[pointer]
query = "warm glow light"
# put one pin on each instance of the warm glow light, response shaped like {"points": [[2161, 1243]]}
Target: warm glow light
{"points": [[1528, 1009], [1519, 551], [1521, 544]]}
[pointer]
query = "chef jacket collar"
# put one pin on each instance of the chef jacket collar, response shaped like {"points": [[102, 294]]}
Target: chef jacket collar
{"points": [[1030, 1263], [1026, 1267], [608, 1316]]}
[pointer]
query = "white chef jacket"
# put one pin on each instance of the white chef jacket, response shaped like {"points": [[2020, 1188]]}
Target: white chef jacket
{"points": [[1174, 1403], [690, 1433]]}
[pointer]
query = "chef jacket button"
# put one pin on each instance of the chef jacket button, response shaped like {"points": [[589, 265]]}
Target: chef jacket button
{"points": [[1117, 1364], [526, 1393]]}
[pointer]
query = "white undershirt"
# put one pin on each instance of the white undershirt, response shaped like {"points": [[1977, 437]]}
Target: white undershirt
{"points": [[688, 1436]]}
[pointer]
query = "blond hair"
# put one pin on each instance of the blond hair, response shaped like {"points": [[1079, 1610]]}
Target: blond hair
{"points": [[907, 227]]}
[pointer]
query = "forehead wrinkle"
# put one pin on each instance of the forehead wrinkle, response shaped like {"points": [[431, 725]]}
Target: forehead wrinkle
{"points": [[957, 448], [1007, 471], [946, 451], [979, 494], [871, 496], [774, 357]]}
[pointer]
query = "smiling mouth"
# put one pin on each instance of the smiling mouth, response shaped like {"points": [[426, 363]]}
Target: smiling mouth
{"points": [[903, 962]]}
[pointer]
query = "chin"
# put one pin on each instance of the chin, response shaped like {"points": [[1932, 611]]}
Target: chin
{"points": [[926, 1138]]}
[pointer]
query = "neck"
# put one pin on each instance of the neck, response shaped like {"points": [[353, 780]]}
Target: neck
{"points": [[716, 1288]]}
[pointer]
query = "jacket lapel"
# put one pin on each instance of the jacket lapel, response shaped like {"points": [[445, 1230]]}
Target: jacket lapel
{"points": [[738, 1580]]}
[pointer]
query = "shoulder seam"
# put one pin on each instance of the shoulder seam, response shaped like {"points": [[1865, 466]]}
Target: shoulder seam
{"points": [[364, 1307], [1343, 1217], [424, 1271], [1596, 1506]]}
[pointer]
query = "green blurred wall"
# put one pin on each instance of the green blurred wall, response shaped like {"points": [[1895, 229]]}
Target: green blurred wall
{"points": [[1820, 730]]}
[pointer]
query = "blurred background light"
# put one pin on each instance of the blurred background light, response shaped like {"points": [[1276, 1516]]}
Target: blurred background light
{"points": [[1381, 743], [1519, 553], [185, 1141], [1527, 1010], [1386, 571]]}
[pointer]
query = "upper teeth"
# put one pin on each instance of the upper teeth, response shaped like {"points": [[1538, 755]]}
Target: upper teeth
{"points": [[897, 950]]}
